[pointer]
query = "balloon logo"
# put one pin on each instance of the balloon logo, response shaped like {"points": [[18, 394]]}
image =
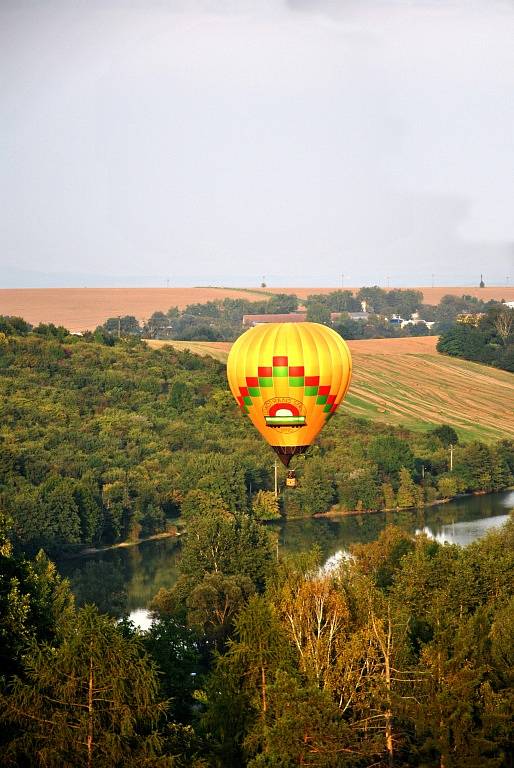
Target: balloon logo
{"points": [[289, 378]]}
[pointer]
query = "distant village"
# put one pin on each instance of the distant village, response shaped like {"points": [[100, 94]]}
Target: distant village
{"points": [[363, 316]]}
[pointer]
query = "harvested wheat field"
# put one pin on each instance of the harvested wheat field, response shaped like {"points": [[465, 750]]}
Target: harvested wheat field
{"points": [[407, 382], [82, 309], [430, 295], [216, 349]]}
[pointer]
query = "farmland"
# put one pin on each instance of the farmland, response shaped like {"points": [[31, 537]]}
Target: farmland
{"points": [[81, 309], [405, 381]]}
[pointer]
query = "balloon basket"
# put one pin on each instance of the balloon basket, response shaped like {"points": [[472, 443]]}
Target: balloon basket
{"points": [[291, 481]]}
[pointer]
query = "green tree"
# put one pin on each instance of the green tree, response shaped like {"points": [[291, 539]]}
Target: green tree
{"points": [[447, 486], [90, 701], [228, 545], [213, 603], [282, 303], [33, 599], [391, 453], [265, 506], [317, 491], [446, 434], [407, 489], [318, 313]]}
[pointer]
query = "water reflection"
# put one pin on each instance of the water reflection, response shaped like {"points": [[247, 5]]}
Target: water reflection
{"points": [[458, 522], [125, 580], [120, 581], [463, 533]]}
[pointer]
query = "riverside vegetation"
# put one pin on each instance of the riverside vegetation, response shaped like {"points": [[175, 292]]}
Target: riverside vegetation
{"points": [[101, 443], [402, 656]]}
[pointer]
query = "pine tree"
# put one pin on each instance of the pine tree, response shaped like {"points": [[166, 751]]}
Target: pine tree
{"points": [[90, 701]]}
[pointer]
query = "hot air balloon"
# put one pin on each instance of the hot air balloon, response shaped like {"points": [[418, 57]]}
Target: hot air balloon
{"points": [[289, 378]]}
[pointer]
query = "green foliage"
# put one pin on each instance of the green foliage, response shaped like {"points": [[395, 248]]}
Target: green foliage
{"points": [[174, 649], [265, 506], [390, 453], [232, 545], [490, 341], [446, 434], [406, 496], [90, 700], [318, 313], [33, 600], [317, 492]]}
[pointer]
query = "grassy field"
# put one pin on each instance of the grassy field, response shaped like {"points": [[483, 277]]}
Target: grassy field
{"points": [[405, 381]]}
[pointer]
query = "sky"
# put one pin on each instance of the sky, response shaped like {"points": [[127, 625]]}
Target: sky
{"points": [[214, 142]]}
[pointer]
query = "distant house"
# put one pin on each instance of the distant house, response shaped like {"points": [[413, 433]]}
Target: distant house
{"points": [[293, 317], [335, 316], [415, 320], [298, 317]]}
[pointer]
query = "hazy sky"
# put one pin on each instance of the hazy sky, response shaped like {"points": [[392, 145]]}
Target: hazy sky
{"points": [[216, 142]]}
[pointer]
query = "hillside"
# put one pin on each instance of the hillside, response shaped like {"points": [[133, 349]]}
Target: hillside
{"points": [[406, 381], [81, 309]]}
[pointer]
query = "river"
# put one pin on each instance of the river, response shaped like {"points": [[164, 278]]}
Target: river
{"points": [[124, 580]]}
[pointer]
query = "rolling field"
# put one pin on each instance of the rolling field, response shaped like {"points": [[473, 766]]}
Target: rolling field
{"points": [[81, 309], [405, 381]]}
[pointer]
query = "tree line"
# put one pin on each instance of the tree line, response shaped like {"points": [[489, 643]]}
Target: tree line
{"points": [[222, 320]]}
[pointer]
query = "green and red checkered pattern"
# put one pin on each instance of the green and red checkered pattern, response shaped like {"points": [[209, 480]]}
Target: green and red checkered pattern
{"points": [[280, 368]]}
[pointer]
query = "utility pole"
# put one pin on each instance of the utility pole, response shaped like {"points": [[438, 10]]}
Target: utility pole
{"points": [[342, 280], [451, 457], [276, 480], [119, 326], [433, 276]]}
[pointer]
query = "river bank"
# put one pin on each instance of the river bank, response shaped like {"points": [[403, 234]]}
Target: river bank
{"points": [[140, 571], [335, 512]]}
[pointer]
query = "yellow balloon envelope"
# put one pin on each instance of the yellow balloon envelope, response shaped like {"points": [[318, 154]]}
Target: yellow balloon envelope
{"points": [[290, 379]]}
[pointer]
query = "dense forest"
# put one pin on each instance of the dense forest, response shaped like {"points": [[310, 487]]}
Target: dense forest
{"points": [[104, 442], [400, 656], [489, 340]]}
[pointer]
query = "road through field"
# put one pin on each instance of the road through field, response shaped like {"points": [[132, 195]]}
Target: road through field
{"points": [[407, 382]]}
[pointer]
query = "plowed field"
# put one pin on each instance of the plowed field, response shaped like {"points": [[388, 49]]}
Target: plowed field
{"points": [[405, 381]]}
